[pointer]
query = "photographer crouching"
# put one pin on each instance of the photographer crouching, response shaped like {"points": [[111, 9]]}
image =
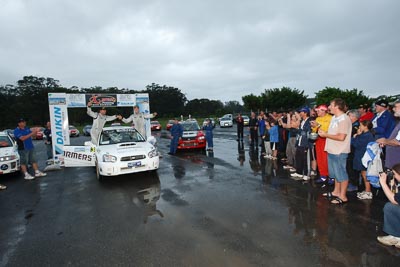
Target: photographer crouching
{"points": [[391, 222]]}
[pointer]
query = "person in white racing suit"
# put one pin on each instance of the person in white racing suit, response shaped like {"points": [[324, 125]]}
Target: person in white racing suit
{"points": [[138, 119], [99, 120]]}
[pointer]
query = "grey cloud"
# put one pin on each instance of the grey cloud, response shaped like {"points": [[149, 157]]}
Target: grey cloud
{"points": [[215, 49]]}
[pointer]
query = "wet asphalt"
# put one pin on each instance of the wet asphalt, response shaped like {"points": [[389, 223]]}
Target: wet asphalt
{"points": [[223, 208]]}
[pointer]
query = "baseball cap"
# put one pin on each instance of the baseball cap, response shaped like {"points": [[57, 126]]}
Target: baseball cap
{"points": [[21, 120], [304, 109], [382, 103], [322, 107]]}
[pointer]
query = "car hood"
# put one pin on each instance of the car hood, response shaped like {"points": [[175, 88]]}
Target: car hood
{"points": [[189, 134], [7, 151], [126, 148]]}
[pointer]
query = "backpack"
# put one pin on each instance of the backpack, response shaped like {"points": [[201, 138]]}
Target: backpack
{"points": [[372, 160]]}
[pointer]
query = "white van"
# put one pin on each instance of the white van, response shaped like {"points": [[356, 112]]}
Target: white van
{"points": [[226, 120], [229, 116]]}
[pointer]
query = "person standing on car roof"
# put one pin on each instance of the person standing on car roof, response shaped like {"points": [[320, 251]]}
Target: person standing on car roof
{"points": [[99, 120], [138, 119], [176, 134], [23, 136]]}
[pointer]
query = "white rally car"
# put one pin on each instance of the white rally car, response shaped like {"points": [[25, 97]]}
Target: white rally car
{"points": [[120, 150], [9, 157]]}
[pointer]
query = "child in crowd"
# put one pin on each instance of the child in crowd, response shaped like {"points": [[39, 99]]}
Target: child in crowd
{"points": [[273, 129], [267, 144], [360, 141]]}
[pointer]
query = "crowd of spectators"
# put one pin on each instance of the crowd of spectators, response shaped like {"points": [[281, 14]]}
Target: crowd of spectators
{"points": [[326, 144]]}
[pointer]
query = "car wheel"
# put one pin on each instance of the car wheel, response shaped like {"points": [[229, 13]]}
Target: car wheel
{"points": [[98, 175]]}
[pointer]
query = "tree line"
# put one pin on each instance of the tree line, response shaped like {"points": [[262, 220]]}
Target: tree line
{"points": [[29, 99]]}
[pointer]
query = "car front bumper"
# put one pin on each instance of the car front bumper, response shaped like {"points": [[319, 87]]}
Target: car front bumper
{"points": [[9, 166], [193, 144], [126, 167]]}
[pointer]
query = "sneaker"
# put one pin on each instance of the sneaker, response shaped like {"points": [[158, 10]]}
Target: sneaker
{"points": [[28, 176], [292, 169], [320, 180], [40, 174], [361, 193], [3, 187], [365, 195], [389, 240], [351, 188], [306, 178], [313, 173], [331, 181], [286, 167], [296, 176]]}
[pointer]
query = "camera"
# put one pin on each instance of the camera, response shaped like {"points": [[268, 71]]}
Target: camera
{"points": [[389, 174]]}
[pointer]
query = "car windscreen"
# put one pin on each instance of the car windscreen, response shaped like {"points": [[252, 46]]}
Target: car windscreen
{"points": [[190, 126], [5, 141], [116, 136]]}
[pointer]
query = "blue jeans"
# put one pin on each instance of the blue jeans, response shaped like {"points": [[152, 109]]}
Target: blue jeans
{"points": [[209, 139], [337, 167], [391, 219], [174, 144]]}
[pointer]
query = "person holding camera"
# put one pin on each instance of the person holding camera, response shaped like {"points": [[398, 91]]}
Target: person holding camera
{"points": [[391, 219], [392, 143]]}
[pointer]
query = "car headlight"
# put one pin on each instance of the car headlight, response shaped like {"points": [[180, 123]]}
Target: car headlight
{"points": [[7, 158], [152, 153], [109, 158]]}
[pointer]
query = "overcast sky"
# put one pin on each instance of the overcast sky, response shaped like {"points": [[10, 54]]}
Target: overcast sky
{"points": [[219, 49]]}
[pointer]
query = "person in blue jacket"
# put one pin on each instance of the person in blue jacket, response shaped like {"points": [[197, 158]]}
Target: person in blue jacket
{"points": [[383, 121], [359, 141], [208, 128], [176, 133]]}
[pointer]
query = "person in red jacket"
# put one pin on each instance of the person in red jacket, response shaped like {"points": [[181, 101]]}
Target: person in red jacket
{"points": [[365, 113]]}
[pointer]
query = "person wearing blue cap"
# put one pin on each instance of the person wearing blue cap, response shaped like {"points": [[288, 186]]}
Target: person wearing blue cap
{"points": [[383, 121], [23, 136]]}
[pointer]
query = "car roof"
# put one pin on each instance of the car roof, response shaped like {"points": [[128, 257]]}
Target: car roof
{"points": [[117, 127]]}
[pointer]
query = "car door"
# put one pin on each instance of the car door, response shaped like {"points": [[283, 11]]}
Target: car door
{"points": [[79, 156]]}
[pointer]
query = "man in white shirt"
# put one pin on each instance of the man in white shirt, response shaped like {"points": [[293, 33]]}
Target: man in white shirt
{"points": [[337, 145]]}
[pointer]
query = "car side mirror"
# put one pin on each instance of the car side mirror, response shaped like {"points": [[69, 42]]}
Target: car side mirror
{"points": [[152, 140]]}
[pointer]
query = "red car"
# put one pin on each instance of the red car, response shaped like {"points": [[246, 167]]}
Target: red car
{"points": [[169, 124], [193, 137], [155, 126]]}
